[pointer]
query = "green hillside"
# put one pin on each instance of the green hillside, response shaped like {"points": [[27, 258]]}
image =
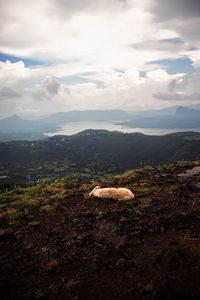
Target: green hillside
{"points": [[91, 155]]}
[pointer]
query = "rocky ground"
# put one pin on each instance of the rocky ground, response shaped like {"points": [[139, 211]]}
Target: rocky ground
{"points": [[56, 243]]}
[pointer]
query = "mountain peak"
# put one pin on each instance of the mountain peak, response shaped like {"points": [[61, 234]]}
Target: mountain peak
{"points": [[185, 111], [15, 117]]}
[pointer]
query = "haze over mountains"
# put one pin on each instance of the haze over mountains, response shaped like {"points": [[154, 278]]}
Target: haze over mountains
{"points": [[182, 118], [16, 128], [87, 115]]}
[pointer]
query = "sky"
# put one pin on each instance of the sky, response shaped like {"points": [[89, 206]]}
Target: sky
{"points": [[63, 55]]}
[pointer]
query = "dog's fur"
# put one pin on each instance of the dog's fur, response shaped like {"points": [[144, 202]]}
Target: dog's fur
{"points": [[113, 193]]}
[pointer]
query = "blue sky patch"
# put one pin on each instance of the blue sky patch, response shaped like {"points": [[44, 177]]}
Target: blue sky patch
{"points": [[192, 48], [176, 41], [119, 71], [13, 59], [74, 79], [174, 66], [143, 74]]}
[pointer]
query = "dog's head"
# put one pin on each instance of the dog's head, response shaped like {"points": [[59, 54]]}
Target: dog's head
{"points": [[92, 192]]}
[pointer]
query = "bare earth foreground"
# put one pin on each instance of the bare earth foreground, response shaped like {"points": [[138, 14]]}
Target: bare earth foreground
{"points": [[56, 243]]}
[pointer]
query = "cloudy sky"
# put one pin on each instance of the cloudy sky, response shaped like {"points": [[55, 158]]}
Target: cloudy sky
{"points": [[62, 55]]}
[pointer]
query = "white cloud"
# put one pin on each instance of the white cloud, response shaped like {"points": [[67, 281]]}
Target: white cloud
{"points": [[10, 73], [109, 40]]}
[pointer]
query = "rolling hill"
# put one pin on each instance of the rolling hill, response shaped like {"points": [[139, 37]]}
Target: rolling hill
{"points": [[92, 154]]}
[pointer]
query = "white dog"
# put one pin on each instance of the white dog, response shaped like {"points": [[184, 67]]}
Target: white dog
{"points": [[113, 193]]}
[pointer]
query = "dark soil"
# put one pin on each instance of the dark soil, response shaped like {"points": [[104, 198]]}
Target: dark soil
{"points": [[101, 249]]}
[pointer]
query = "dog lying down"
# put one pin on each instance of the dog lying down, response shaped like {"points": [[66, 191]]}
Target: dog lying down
{"points": [[113, 193]]}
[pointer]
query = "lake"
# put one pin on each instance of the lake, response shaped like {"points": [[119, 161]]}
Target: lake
{"points": [[76, 127]]}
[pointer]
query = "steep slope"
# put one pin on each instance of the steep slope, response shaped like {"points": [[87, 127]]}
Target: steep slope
{"points": [[56, 243]]}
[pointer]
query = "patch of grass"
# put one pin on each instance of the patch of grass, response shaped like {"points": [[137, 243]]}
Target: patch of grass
{"points": [[143, 190], [172, 189], [34, 223], [13, 222], [58, 196], [192, 137], [9, 196], [18, 193], [44, 249], [85, 187], [182, 213], [54, 187], [12, 213], [143, 184], [46, 207], [52, 287], [2, 214], [23, 194], [28, 246], [39, 294], [149, 287], [69, 243], [181, 163], [53, 263], [128, 173], [86, 196], [71, 283], [139, 170], [25, 202]]}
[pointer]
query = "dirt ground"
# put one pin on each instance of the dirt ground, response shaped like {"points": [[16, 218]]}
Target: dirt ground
{"points": [[101, 249]]}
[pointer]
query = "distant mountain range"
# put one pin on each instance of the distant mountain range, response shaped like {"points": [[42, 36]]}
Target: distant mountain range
{"points": [[87, 115], [16, 128], [92, 154], [15, 123], [182, 118]]}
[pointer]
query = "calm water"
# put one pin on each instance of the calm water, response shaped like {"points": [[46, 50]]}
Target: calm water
{"points": [[75, 127]]}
